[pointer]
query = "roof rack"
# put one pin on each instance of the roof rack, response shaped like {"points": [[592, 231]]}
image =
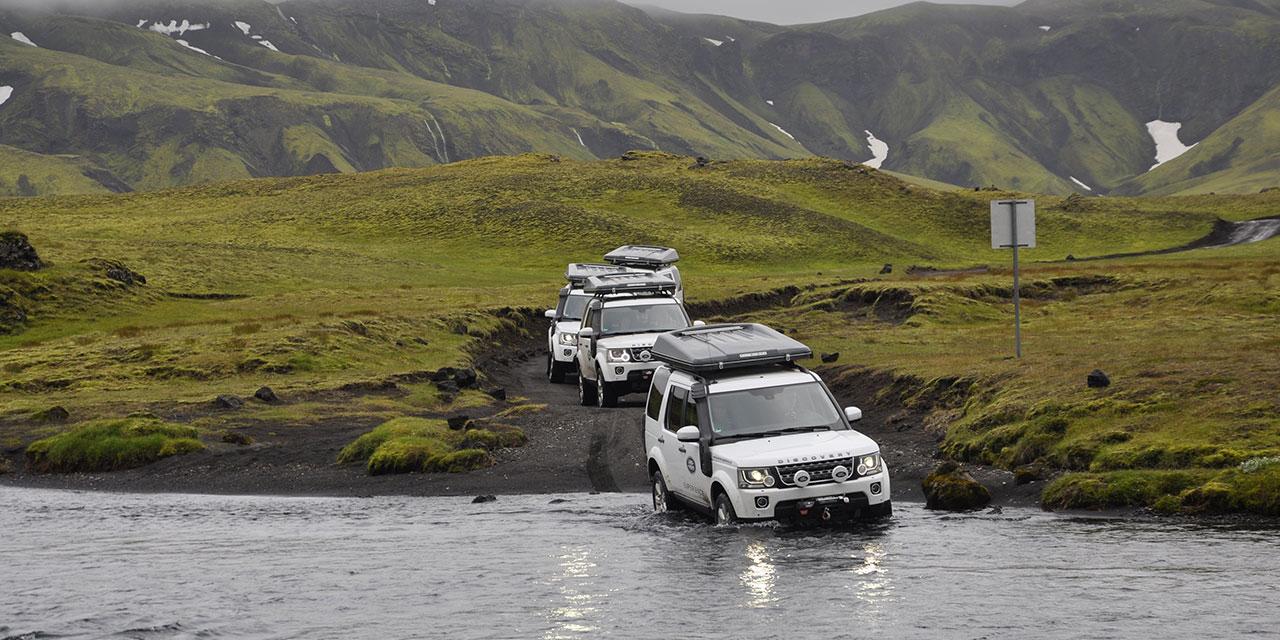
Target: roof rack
{"points": [[631, 282], [642, 256], [578, 272], [717, 347]]}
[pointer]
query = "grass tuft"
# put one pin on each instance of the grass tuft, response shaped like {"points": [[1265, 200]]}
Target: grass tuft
{"points": [[110, 445]]}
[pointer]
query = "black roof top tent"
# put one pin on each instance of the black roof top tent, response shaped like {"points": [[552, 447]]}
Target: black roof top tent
{"points": [[717, 347], [578, 272], [633, 283], [642, 256]]}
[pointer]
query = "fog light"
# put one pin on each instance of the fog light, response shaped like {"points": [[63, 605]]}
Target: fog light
{"points": [[875, 488], [568, 352], [762, 502], [618, 370]]}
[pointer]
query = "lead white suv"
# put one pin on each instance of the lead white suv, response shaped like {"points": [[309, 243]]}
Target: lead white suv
{"points": [[627, 313], [734, 428]]}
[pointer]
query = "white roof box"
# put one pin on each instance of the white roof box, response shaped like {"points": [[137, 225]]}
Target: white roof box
{"points": [[633, 282], [578, 272], [716, 347], [642, 256]]}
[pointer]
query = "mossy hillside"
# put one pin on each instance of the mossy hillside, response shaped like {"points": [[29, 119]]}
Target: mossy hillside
{"points": [[111, 445], [416, 445]]}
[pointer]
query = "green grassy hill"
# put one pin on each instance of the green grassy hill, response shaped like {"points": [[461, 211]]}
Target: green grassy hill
{"points": [[1026, 98]]}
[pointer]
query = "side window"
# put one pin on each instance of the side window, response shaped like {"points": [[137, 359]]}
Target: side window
{"points": [[675, 409], [655, 392], [595, 318], [590, 318], [690, 413]]}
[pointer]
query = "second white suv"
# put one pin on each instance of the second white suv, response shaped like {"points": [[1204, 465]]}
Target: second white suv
{"points": [[734, 428], [626, 315]]}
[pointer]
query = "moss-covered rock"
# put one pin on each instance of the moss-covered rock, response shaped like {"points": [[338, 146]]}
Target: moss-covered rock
{"points": [[110, 445], [419, 445], [951, 488]]}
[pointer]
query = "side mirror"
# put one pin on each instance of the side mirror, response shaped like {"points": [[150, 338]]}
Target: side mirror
{"points": [[688, 434], [550, 314], [586, 332], [699, 323], [854, 414]]}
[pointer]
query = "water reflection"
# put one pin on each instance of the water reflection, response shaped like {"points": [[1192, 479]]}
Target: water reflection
{"points": [[873, 586], [759, 577], [575, 582]]}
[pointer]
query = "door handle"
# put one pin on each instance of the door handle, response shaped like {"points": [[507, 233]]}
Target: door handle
{"points": [[661, 440], [681, 449]]}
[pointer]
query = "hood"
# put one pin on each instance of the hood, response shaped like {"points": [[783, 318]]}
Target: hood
{"points": [[638, 340], [821, 445], [568, 326]]}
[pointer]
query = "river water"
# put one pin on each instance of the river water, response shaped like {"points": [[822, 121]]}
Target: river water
{"points": [[93, 565]]}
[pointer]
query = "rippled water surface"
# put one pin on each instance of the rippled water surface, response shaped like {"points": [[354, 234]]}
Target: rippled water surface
{"points": [[167, 566]]}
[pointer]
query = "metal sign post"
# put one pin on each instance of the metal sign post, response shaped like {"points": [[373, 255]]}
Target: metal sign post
{"points": [[1013, 225]]}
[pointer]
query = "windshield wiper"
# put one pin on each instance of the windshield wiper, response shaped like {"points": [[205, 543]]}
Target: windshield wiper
{"points": [[777, 432]]}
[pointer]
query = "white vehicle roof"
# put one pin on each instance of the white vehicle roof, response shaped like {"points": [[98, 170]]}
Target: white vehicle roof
{"points": [[637, 302], [749, 379]]}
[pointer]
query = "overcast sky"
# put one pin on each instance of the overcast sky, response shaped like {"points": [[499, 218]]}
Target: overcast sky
{"points": [[791, 11]]}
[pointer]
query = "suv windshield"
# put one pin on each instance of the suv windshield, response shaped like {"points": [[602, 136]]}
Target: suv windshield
{"points": [[643, 318], [573, 306], [773, 411]]}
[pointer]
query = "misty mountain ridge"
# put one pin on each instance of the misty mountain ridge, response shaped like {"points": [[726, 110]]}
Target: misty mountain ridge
{"points": [[1089, 96]]}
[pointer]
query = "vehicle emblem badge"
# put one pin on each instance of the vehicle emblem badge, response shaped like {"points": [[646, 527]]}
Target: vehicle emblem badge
{"points": [[801, 478], [840, 473], [693, 466], [645, 356]]}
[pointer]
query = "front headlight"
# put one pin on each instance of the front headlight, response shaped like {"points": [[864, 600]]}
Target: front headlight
{"points": [[568, 339], [869, 465], [619, 355], [755, 478]]}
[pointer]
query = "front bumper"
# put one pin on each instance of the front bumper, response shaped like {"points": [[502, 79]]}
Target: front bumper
{"points": [[839, 500], [636, 375]]}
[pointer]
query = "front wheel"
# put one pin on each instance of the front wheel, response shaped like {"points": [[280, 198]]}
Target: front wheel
{"points": [[555, 371], [880, 511], [586, 391], [723, 512], [605, 395], [662, 501]]}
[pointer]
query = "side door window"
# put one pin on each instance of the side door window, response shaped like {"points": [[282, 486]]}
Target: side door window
{"points": [[675, 409]]}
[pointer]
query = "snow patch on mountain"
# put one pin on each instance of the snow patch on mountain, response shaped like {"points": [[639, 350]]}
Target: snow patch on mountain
{"points": [[244, 27], [194, 48], [1081, 184], [784, 131], [21, 37], [1168, 146], [769, 102], [267, 44], [1045, 27], [714, 41], [6, 92], [879, 150], [173, 27]]}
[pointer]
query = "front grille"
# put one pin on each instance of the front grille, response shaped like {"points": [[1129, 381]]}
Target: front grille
{"points": [[819, 472], [638, 354]]}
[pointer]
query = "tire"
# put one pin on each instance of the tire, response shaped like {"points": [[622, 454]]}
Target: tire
{"points": [[662, 500], [555, 372], [606, 397], [723, 512], [586, 391], [880, 511]]}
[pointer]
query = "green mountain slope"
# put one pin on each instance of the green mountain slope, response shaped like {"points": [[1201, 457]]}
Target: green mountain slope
{"points": [[1045, 96]]}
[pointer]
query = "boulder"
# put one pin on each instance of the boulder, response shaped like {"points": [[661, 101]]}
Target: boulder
{"points": [[484, 499], [1071, 257], [1028, 473], [829, 358], [498, 393], [448, 387], [888, 268], [951, 488], [458, 423], [266, 394], [16, 252], [445, 373], [237, 438], [228, 402], [465, 378], [1098, 380]]}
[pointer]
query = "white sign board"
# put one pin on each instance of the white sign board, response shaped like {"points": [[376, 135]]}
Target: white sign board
{"points": [[1006, 215]]}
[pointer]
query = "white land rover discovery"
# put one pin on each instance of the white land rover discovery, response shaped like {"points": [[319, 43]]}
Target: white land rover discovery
{"points": [[627, 313], [562, 335], [734, 428]]}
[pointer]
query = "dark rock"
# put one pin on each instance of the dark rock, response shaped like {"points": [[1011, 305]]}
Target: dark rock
{"points": [[1071, 257], [16, 252], [996, 510], [484, 499], [237, 438], [1098, 380], [460, 329], [266, 394], [448, 387], [700, 163], [888, 268], [951, 488], [465, 378], [115, 270], [228, 402], [498, 394], [443, 374], [458, 423], [52, 414], [557, 501], [828, 358]]}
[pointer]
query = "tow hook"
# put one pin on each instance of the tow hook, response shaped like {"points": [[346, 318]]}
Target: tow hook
{"points": [[826, 514]]}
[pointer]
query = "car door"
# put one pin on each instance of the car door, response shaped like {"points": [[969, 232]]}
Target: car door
{"points": [[683, 475], [586, 355]]}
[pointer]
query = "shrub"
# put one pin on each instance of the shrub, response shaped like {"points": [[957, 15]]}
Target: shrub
{"points": [[110, 445], [418, 445]]}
